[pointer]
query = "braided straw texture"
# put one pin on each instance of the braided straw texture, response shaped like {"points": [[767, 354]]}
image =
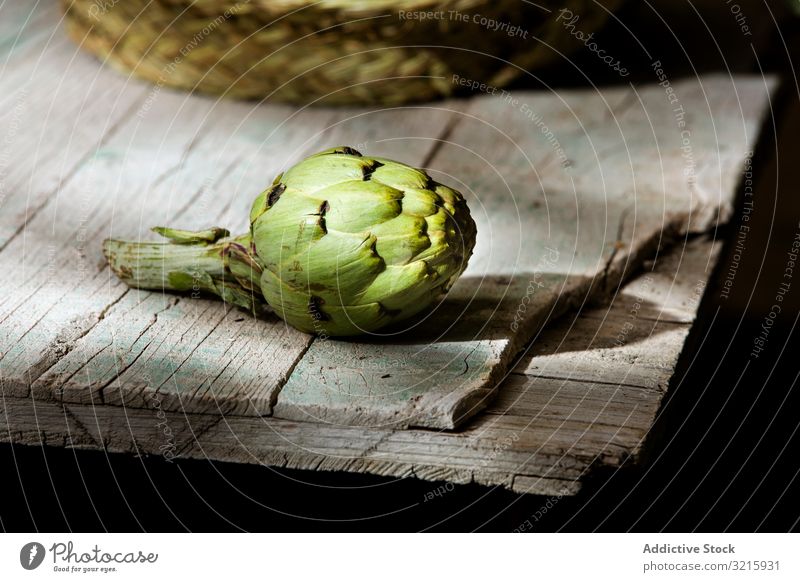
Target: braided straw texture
{"points": [[333, 51]]}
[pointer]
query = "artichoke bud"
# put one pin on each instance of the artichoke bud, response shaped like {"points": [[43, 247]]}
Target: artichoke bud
{"points": [[339, 244]]}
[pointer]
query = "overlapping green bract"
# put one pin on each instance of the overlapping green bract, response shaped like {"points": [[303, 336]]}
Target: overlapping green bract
{"points": [[349, 244]]}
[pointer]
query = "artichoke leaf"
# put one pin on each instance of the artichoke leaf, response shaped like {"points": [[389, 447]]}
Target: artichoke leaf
{"points": [[336, 268], [399, 175], [178, 236], [355, 206], [317, 173]]}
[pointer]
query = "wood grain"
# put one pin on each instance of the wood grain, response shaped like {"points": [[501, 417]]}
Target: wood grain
{"points": [[112, 158], [197, 355], [544, 433], [571, 192]]}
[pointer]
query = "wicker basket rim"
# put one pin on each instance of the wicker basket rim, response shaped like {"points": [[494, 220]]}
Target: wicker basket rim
{"points": [[354, 6]]}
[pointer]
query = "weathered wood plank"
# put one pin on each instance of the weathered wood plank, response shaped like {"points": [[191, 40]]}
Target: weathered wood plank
{"points": [[672, 284], [540, 435], [206, 164], [630, 342], [62, 289], [612, 347], [213, 367], [23, 27], [114, 429], [59, 108], [177, 354], [571, 192]]}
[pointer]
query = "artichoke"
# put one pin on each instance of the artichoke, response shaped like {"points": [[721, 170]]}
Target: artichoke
{"points": [[340, 244]]}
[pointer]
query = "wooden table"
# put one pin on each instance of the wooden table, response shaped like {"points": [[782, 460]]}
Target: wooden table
{"points": [[597, 205]]}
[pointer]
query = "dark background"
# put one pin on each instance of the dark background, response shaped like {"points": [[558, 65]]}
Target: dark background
{"points": [[726, 456]]}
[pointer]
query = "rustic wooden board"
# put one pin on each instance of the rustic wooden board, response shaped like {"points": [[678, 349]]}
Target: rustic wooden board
{"points": [[549, 237], [543, 434], [195, 354], [596, 178], [144, 156]]}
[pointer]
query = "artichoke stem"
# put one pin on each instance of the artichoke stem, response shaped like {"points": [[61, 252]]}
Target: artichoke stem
{"points": [[195, 267]]}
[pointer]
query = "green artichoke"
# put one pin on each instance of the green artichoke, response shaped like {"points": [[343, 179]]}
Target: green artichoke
{"points": [[340, 244]]}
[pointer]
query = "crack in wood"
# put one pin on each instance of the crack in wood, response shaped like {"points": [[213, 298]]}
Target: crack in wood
{"points": [[79, 424], [577, 378], [63, 344], [193, 350], [617, 242], [191, 443], [101, 390], [453, 121]]}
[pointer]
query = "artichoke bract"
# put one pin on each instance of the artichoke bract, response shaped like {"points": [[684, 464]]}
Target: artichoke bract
{"points": [[340, 244]]}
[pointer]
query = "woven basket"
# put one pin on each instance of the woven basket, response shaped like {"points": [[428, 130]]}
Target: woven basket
{"points": [[333, 51]]}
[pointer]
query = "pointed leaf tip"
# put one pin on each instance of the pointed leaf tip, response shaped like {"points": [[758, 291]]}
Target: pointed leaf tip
{"points": [[177, 236]]}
